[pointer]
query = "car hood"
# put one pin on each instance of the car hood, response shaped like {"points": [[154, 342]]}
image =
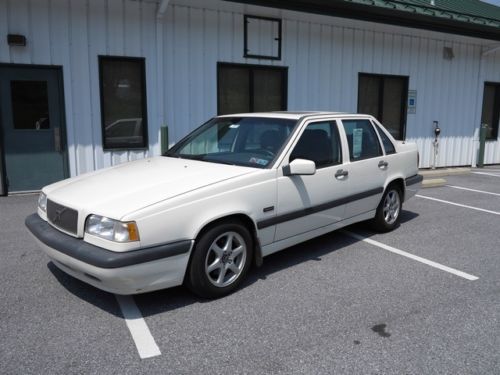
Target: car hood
{"points": [[127, 187]]}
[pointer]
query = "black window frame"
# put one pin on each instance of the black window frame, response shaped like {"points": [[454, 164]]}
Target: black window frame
{"points": [[404, 99], [145, 136], [496, 109], [252, 68], [245, 37]]}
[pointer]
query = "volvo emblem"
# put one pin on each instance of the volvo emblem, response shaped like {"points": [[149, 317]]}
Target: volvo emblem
{"points": [[57, 215]]}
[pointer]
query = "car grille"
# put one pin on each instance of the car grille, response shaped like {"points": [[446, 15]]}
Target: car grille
{"points": [[62, 217]]}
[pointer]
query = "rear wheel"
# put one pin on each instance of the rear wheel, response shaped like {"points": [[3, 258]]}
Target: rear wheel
{"points": [[389, 210], [221, 259]]}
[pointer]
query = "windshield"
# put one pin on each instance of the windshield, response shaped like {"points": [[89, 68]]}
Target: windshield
{"points": [[247, 141]]}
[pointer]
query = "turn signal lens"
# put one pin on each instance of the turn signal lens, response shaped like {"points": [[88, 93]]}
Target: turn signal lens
{"points": [[133, 233]]}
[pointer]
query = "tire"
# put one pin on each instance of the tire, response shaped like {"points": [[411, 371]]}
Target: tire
{"points": [[388, 213], [221, 258]]}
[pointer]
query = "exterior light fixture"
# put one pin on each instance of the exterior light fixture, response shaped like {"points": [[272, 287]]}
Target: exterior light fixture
{"points": [[16, 40]]}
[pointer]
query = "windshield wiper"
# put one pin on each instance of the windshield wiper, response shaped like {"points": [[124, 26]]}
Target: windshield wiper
{"points": [[219, 161]]}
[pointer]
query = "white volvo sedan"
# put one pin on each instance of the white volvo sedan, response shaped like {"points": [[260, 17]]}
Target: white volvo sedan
{"points": [[235, 190]]}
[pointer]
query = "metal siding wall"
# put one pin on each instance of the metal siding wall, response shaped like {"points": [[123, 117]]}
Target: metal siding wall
{"points": [[72, 33], [324, 56]]}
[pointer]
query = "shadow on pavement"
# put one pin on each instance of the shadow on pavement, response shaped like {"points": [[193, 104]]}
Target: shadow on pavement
{"points": [[162, 301]]}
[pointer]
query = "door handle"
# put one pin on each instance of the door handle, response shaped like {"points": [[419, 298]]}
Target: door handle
{"points": [[57, 139], [341, 173], [383, 164]]}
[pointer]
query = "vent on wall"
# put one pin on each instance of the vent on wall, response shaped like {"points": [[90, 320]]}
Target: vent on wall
{"points": [[448, 53]]}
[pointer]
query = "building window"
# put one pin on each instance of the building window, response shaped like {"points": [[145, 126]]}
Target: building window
{"points": [[384, 97], [251, 88], [123, 102], [491, 109], [262, 38]]}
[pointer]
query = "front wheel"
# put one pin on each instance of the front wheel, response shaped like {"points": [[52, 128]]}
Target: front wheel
{"points": [[220, 261], [389, 210]]}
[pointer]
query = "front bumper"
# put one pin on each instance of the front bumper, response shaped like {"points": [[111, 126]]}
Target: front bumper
{"points": [[130, 272]]}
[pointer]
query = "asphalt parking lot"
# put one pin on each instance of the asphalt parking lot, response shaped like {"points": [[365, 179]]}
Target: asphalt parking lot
{"points": [[423, 299]]}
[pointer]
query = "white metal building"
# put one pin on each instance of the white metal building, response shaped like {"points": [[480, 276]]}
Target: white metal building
{"points": [[85, 84]]}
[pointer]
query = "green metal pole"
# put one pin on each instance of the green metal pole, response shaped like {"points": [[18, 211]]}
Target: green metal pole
{"points": [[482, 141], [164, 139]]}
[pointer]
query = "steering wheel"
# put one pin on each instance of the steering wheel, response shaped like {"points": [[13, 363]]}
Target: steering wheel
{"points": [[265, 151]]}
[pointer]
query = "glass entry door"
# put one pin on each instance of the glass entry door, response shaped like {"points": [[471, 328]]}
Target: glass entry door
{"points": [[32, 127]]}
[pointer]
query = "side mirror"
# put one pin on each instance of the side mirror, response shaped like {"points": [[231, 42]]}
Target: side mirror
{"points": [[299, 167]]}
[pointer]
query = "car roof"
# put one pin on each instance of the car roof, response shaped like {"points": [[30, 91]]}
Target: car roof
{"points": [[292, 115]]}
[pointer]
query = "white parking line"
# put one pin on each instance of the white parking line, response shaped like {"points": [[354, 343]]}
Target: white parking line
{"points": [[144, 341], [459, 205], [474, 190], [411, 256], [487, 174]]}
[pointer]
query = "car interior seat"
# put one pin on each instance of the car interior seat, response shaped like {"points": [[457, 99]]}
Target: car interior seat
{"points": [[315, 145]]}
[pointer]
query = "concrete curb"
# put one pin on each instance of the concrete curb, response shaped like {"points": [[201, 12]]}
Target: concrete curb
{"points": [[433, 182], [431, 173]]}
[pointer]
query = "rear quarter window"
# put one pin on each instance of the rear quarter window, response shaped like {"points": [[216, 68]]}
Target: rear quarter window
{"points": [[388, 145]]}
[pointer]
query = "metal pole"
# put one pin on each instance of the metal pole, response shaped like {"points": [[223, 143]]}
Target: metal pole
{"points": [[482, 141], [164, 139]]}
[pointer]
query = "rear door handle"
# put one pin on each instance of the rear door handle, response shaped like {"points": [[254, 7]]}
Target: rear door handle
{"points": [[341, 173], [383, 164]]}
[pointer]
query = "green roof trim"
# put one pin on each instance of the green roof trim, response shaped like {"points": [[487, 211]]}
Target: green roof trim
{"points": [[472, 18], [471, 11]]}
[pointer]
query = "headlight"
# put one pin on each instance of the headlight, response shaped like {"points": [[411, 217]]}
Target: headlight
{"points": [[112, 230], [42, 202]]}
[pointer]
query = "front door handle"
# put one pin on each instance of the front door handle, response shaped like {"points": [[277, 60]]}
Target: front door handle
{"points": [[341, 173], [383, 164]]}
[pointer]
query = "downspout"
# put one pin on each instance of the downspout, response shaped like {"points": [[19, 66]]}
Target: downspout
{"points": [[162, 8]]}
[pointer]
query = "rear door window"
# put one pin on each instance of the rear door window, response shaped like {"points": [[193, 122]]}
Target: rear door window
{"points": [[362, 139]]}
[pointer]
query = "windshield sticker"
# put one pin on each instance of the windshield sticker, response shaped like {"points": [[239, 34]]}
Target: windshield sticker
{"points": [[357, 141], [234, 126], [263, 162]]}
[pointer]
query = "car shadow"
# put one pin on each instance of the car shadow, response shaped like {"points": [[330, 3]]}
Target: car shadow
{"points": [[162, 301]]}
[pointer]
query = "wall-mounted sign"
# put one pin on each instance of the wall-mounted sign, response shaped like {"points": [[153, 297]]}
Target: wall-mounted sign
{"points": [[412, 101]]}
